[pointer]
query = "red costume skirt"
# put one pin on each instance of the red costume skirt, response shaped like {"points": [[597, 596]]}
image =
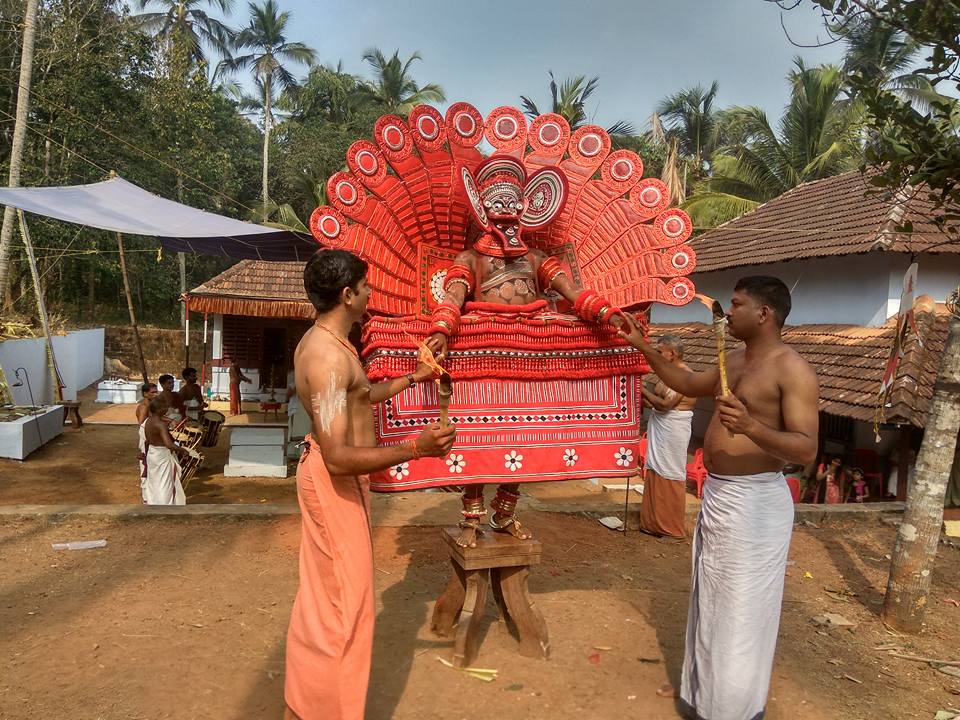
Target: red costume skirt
{"points": [[535, 398]]}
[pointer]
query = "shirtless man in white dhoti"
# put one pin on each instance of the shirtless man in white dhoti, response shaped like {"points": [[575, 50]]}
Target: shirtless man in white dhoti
{"points": [[160, 484], [743, 530], [665, 467]]}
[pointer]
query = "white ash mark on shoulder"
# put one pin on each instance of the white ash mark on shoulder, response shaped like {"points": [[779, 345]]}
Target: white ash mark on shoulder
{"points": [[329, 403]]}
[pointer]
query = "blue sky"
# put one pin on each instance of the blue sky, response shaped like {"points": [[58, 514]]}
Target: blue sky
{"points": [[490, 52]]}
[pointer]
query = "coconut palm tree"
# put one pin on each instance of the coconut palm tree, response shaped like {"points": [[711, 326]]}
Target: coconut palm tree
{"points": [[569, 100], [393, 87], [184, 22], [264, 37], [817, 136], [884, 55], [689, 117]]}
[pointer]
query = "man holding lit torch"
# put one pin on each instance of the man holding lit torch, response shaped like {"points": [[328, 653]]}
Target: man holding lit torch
{"points": [[767, 419]]}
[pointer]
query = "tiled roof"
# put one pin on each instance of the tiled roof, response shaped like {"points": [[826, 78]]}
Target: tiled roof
{"points": [[255, 287], [825, 217], [849, 361]]}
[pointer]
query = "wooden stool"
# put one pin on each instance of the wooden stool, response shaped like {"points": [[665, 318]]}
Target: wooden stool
{"points": [[72, 409], [273, 407], [502, 561]]}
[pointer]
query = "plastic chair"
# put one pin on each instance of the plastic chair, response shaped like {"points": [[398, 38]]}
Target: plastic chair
{"points": [[696, 472], [642, 454], [794, 485]]}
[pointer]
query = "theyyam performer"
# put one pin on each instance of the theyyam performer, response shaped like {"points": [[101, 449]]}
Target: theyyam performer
{"points": [[330, 638], [513, 269], [768, 418]]}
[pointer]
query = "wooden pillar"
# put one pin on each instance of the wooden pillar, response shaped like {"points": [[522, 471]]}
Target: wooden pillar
{"points": [[133, 316]]}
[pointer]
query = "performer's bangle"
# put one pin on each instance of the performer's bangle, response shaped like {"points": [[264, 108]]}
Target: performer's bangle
{"points": [[414, 450], [410, 379], [548, 272]]}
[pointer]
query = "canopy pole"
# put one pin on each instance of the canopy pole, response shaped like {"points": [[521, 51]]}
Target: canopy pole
{"points": [[186, 333], [57, 389], [133, 317], [203, 365]]}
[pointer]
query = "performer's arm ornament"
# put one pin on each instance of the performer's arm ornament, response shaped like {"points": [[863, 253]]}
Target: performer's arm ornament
{"points": [[460, 274], [548, 272], [593, 307], [446, 319]]}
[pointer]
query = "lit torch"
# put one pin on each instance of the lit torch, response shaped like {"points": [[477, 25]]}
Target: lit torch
{"points": [[444, 381], [720, 328]]}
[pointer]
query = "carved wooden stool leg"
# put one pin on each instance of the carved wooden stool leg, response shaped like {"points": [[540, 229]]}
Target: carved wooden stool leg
{"points": [[532, 628], [466, 642], [449, 604], [496, 585]]}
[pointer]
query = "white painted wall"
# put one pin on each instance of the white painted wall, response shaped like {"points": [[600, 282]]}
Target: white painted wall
{"points": [[852, 289], [80, 359], [79, 356], [217, 337]]}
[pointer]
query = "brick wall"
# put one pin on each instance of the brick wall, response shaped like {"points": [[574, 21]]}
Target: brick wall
{"points": [[162, 349]]}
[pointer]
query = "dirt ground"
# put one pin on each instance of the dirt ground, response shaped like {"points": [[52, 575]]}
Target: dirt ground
{"points": [[97, 464], [186, 618]]}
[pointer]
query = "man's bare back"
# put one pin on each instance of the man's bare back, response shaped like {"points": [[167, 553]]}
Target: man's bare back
{"points": [[759, 382]]}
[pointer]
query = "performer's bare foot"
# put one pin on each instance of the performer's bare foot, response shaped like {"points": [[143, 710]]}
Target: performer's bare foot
{"points": [[469, 529], [509, 525], [667, 691]]}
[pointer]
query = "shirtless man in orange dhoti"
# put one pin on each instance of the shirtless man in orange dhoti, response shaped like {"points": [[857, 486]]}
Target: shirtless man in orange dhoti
{"points": [[330, 639]]}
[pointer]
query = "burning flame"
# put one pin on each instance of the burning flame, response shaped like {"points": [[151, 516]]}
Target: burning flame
{"points": [[706, 300], [427, 357]]}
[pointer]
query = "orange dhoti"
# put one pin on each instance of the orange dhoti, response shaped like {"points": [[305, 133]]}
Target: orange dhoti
{"points": [[330, 639], [664, 505], [664, 480]]}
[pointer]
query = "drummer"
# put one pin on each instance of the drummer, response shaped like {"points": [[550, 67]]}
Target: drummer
{"points": [[176, 412], [191, 394]]}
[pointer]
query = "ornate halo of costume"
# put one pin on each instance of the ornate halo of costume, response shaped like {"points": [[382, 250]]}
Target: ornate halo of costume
{"points": [[544, 387]]}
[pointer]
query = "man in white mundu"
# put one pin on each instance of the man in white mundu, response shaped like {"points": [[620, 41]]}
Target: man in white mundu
{"points": [[768, 418], [663, 510], [160, 483]]}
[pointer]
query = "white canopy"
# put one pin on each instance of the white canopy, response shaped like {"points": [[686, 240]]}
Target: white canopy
{"points": [[120, 206]]}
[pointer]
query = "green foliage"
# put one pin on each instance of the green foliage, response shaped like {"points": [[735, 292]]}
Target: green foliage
{"points": [[102, 100], [912, 144], [569, 100], [818, 135], [393, 86]]}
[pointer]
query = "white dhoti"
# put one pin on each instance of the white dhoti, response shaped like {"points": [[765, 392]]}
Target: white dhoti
{"points": [[668, 435], [193, 408], [162, 483], [739, 559], [142, 460]]}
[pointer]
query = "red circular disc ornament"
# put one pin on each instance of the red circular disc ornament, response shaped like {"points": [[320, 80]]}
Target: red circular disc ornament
{"points": [[678, 291], [327, 225], [621, 170], [427, 127], [673, 226], [650, 197], [393, 137], [589, 145], [346, 193], [367, 162], [464, 124], [549, 135], [506, 129]]}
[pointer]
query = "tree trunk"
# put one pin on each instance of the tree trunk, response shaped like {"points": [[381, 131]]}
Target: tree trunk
{"points": [[911, 568], [19, 137], [266, 143], [133, 317], [182, 260]]}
